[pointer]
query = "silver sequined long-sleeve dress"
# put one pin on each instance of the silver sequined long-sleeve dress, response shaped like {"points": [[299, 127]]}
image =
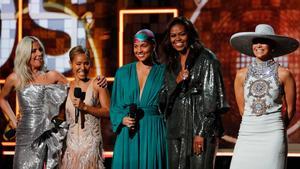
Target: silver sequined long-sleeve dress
{"points": [[38, 141]]}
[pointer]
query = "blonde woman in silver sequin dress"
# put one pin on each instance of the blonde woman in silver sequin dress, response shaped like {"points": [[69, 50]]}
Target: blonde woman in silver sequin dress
{"points": [[84, 140], [261, 89], [40, 93]]}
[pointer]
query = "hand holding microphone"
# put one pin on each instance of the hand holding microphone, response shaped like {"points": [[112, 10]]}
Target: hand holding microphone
{"points": [[76, 102], [131, 120]]}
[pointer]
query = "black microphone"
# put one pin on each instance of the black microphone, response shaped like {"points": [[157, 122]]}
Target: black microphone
{"points": [[77, 94], [132, 114]]}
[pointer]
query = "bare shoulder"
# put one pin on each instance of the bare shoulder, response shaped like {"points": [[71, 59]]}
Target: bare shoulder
{"points": [[241, 74], [56, 77], [11, 82], [12, 79], [284, 74]]}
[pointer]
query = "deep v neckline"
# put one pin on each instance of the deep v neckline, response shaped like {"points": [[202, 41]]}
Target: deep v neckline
{"points": [[141, 91]]}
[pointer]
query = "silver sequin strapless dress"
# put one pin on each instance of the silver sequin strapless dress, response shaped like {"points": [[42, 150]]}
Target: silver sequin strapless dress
{"points": [[38, 141]]}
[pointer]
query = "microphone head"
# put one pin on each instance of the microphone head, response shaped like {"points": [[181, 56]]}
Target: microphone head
{"points": [[77, 92], [132, 110]]}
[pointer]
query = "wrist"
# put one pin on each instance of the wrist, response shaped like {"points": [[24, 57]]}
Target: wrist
{"points": [[82, 106]]}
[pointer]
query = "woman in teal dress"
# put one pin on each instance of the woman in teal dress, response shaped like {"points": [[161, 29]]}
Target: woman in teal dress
{"points": [[141, 141]]}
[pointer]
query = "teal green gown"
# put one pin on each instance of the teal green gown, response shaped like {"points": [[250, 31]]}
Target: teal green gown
{"points": [[148, 148]]}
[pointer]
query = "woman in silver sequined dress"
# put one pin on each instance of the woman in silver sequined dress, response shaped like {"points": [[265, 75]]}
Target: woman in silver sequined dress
{"points": [[40, 93], [84, 140], [261, 89]]}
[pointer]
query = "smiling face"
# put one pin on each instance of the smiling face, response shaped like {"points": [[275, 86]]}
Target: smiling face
{"points": [[179, 37], [80, 66], [143, 50], [261, 49], [36, 59]]}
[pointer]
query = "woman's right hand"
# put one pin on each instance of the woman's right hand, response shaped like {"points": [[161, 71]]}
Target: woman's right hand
{"points": [[128, 121], [182, 75]]}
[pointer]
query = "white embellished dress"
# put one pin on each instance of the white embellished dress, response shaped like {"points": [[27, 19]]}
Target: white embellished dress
{"points": [[84, 146], [261, 142]]}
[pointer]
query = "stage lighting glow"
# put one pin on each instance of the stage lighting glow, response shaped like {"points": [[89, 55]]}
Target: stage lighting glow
{"points": [[20, 15]]}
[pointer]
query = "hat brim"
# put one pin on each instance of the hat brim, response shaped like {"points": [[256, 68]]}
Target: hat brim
{"points": [[243, 43]]}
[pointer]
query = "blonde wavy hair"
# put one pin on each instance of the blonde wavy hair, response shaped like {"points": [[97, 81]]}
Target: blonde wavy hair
{"points": [[22, 60]]}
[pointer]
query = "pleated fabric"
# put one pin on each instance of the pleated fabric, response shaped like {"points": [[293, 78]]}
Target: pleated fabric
{"points": [[147, 149]]}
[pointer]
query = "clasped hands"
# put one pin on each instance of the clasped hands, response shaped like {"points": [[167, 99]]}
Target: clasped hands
{"points": [[198, 145]]}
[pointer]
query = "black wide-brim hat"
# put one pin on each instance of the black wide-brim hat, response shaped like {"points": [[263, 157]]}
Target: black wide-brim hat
{"points": [[242, 41]]}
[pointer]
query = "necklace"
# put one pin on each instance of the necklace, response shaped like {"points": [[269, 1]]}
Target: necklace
{"points": [[263, 69]]}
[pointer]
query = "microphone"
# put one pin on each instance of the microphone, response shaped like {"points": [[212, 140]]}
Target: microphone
{"points": [[77, 94], [132, 114]]}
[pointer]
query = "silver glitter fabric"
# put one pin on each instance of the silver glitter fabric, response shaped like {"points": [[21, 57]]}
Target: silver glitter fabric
{"points": [[195, 111], [38, 140]]}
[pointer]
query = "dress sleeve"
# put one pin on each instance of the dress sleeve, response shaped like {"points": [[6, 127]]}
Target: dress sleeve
{"points": [[117, 110], [55, 95], [214, 102], [169, 91], [52, 139]]}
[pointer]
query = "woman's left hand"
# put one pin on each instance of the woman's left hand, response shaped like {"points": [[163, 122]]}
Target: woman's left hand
{"points": [[198, 145]]}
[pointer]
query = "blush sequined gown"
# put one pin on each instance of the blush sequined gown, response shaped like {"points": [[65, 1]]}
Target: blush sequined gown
{"points": [[84, 146]]}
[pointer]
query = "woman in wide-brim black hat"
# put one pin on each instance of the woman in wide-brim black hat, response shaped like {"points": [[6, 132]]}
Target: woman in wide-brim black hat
{"points": [[261, 89]]}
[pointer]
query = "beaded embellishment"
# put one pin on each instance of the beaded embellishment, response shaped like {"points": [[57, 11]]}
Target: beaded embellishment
{"points": [[259, 106], [260, 88]]}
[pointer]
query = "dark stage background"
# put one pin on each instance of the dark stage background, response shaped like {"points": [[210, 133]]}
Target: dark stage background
{"points": [[62, 24]]}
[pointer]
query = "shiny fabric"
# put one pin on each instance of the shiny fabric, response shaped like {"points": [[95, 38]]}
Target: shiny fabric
{"points": [[147, 149], [262, 134], [38, 140], [195, 111], [84, 146]]}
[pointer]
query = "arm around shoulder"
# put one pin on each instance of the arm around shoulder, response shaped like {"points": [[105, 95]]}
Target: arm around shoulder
{"points": [[56, 78]]}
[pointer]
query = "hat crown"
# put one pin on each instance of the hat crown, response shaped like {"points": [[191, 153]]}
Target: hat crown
{"points": [[264, 29]]}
